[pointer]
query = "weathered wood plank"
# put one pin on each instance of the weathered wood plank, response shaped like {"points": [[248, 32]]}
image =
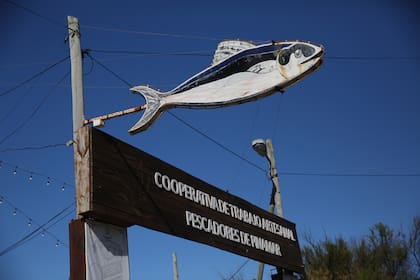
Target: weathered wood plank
{"points": [[77, 250], [83, 170]]}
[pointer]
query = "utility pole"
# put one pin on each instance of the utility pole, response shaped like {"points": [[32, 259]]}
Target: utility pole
{"points": [[274, 177], [175, 266], [81, 172], [76, 74], [85, 248], [76, 228], [265, 149]]}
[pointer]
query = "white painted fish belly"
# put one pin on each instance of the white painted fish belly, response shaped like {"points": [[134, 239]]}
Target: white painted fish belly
{"points": [[237, 88]]}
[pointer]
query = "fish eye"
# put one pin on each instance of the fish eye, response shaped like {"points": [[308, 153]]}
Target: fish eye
{"points": [[298, 53], [284, 57]]}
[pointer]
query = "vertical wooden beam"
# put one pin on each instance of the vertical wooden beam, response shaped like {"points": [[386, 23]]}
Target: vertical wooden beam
{"points": [[76, 73], [81, 154], [83, 170], [80, 134], [77, 250]]}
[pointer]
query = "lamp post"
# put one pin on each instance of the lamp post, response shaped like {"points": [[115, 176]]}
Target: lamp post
{"points": [[265, 149]]}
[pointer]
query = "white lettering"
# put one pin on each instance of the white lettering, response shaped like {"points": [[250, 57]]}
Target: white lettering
{"points": [[181, 189]]}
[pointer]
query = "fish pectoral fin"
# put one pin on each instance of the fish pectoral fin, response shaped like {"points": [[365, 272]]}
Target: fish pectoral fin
{"points": [[153, 108]]}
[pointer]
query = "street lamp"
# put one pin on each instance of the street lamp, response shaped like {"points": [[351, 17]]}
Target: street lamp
{"points": [[265, 149]]}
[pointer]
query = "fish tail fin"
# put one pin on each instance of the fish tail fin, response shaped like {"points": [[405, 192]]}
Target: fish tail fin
{"points": [[153, 106]]}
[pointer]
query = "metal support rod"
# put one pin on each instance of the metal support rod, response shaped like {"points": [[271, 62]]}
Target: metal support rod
{"points": [[116, 114]]}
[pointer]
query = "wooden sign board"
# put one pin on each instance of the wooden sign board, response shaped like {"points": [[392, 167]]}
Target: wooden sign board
{"points": [[127, 186]]}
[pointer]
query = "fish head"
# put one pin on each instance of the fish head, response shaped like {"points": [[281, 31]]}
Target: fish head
{"points": [[296, 59]]}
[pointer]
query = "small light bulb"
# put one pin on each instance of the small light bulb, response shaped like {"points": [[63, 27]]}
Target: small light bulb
{"points": [[48, 182], [43, 233], [1, 200], [29, 223], [15, 171], [57, 243], [15, 212], [30, 177], [63, 187]]}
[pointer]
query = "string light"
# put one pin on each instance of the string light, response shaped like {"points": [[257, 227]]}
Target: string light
{"points": [[42, 230], [1, 200], [30, 175]]}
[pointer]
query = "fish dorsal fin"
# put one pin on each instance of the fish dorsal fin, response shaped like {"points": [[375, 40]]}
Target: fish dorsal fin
{"points": [[227, 48]]}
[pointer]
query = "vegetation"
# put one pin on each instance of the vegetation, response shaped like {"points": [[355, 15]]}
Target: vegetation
{"points": [[384, 254]]}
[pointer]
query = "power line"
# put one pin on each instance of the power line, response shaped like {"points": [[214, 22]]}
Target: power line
{"points": [[216, 142], [172, 53], [29, 148], [44, 228], [351, 174], [34, 111], [289, 173], [34, 76], [50, 20], [373, 58], [145, 33], [210, 53], [107, 69], [239, 269]]}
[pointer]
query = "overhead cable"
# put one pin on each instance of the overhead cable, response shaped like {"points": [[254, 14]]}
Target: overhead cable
{"points": [[44, 228], [29, 148], [107, 69], [50, 20], [34, 76], [34, 111], [145, 33]]}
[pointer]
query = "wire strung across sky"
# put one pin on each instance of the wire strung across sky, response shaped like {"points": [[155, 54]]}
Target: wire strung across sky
{"points": [[19, 127], [42, 229], [34, 76], [210, 54], [31, 174]]}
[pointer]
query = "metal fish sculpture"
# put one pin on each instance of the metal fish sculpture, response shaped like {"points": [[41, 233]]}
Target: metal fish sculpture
{"points": [[240, 72]]}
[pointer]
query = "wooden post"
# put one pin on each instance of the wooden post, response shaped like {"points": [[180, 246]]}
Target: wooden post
{"points": [[77, 250], [76, 228], [76, 73], [80, 144]]}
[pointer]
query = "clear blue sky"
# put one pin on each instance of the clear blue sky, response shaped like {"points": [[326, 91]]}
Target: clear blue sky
{"points": [[358, 115]]}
